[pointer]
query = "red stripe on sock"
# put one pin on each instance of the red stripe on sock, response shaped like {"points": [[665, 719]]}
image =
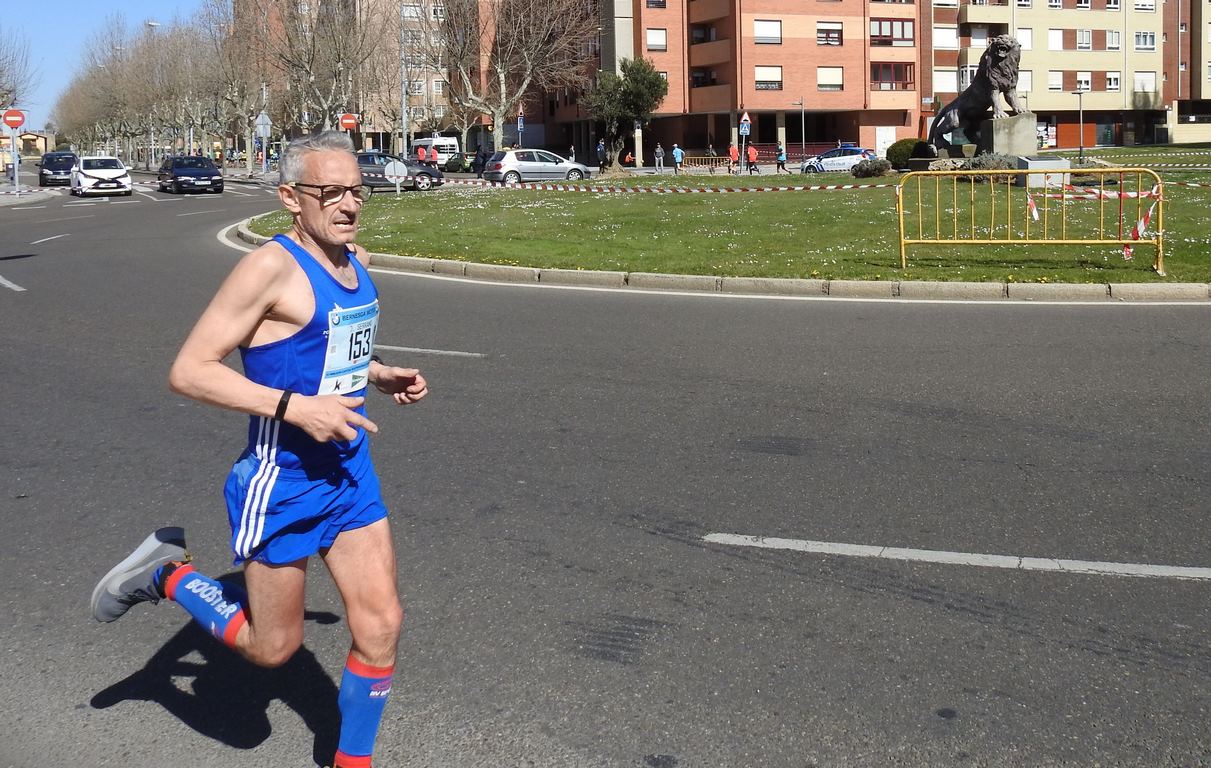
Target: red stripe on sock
{"points": [[362, 669], [350, 761], [170, 586], [233, 628]]}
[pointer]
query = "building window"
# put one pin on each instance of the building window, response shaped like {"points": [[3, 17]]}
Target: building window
{"points": [[1145, 41], [1084, 81], [945, 81], [1113, 81], [1084, 39], [896, 32], [979, 36], [1083, 5], [1026, 38], [767, 78], [1112, 5], [664, 75], [416, 87], [1025, 81], [410, 11], [1055, 80], [946, 38], [891, 76], [1023, 3], [1055, 39], [439, 87], [828, 33], [1145, 82], [1055, 3], [767, 32], [656, 3], [1114, 39], [439, 111], [439, 11], [658, 39], [946, 3], [830, 78], [1145, 5], [966, 74], [1181, 67]]}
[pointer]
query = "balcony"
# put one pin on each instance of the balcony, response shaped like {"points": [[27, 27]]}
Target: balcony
{"points": [[710, 54], [711, 98], [986, 12], [709, 10]]}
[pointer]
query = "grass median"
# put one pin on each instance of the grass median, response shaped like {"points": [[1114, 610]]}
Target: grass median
{"points": [[835, 234]]}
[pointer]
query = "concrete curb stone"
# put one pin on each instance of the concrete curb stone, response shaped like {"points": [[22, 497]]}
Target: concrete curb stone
{"points": [[1058, 291], [501, 273], [931, 289], [585, 277], [773, 286], [1160, 291], [402, 263], [863, 289], [663, 282]]}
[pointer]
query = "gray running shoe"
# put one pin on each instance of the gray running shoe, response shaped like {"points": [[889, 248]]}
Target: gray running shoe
{"points": [[133, 580]]}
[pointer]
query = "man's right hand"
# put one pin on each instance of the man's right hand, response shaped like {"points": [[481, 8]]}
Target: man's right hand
{"points": [[328, 417]]}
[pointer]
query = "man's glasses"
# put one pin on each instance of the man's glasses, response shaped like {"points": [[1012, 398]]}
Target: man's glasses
{"points": [[330, 194]]}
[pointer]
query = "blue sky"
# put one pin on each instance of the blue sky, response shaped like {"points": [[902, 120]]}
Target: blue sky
{"points": [[58, 32]]}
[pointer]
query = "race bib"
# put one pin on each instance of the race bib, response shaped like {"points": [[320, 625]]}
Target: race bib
{"points": [[350, 343]]}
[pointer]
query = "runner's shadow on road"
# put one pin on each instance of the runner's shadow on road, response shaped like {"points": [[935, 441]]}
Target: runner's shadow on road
{"points": [[226, 698]]}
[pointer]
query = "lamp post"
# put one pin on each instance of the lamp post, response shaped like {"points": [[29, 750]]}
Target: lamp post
{"points": [[802, 128], [1080, 110], [151, 135]]}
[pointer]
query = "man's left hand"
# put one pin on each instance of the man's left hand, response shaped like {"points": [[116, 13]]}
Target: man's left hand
{"points": [[405, 385]]}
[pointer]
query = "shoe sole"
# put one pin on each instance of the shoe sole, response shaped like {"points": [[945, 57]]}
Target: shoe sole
{"points": [[141, 555]]}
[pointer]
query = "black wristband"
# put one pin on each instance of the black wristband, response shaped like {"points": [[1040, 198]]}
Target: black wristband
{"points": [[281, 411], [377, 359]]}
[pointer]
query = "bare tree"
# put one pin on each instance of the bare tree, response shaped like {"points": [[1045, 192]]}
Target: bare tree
{"points": [[238, 71], [17, 78], [496, 52]]}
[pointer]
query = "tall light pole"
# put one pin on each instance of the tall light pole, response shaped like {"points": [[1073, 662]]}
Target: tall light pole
{"points": [[1080, 110], [802, 128], [151, 135]]}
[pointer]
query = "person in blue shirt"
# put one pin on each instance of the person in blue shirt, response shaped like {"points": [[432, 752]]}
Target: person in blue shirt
{"points": [[678, 159], [302, 310], [781, 159]]}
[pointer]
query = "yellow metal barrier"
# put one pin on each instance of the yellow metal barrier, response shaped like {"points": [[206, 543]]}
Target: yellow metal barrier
{"points": [[707, 162], [1032, 207]]}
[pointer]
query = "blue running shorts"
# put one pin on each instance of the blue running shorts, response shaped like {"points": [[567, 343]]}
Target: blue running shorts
{"points": [[280, 515]]}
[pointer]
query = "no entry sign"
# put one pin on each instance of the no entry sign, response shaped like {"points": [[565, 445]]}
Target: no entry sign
{"points": [[348, 121], [14, 118]]}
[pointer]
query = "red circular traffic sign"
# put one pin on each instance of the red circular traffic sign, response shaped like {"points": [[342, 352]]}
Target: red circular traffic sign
{"points": [[14, 118], [348, 121]]}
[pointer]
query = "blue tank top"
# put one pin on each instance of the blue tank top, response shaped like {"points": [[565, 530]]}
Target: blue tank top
{"points": [[329, 355]]}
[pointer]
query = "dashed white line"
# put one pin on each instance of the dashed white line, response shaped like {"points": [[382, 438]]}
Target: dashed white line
{"points": [[1015, 562], [424, 351], [52, 237], [68, 218], [77, 205], [10, 285], [195, 213], [26, 207]]}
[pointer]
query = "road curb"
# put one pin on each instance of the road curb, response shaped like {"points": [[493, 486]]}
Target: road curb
{"points": [[771, 286], [8, 198]]}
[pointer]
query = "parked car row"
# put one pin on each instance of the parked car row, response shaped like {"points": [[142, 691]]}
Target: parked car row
{"points": [[843, 158], [380, 170]]}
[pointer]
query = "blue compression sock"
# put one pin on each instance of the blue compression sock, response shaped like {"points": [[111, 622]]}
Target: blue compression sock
{"points": [[363, 696]]}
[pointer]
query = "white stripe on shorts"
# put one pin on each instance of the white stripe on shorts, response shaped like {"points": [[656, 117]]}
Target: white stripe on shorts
{"points": [[252, 518]]}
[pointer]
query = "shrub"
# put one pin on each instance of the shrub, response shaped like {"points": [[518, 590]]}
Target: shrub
{"points": [[899, 152], [867, 169], [991, 161]]}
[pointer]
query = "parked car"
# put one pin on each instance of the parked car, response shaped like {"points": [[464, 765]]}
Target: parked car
{"points": [[843, 158], [460, 163], [100, 175], [55, 168], [516, 165], [377, 167], [183, 173], [446, 146]]}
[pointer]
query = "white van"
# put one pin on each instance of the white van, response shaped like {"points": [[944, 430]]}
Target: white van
{"points": [[447, 147]]}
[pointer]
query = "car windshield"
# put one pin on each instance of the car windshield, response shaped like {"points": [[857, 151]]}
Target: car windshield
{"points": [[59, 162], [194, 162], [102, 164], [496, 158]]}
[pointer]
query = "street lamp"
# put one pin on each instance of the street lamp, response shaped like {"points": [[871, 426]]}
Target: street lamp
{"points": [[1080, 109], [802, 128], [151, 131]]}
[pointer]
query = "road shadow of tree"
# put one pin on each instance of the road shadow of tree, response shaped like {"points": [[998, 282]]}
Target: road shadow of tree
{"points": [[227, 698]]}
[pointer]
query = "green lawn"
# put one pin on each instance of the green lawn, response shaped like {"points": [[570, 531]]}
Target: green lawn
{"points": [[827, 234]]}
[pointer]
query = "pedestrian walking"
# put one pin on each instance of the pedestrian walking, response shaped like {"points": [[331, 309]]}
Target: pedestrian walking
{"points": [[678, 158], [781, 160], [433, 156], [733, 159], [481, 160], [572, 153], [659, 155], [303, 312], [752, 160], [711, 155], [421, 157], [601, 156]]}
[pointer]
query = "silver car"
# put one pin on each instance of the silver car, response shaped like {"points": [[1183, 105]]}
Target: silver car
{"points": [[516, 165]]}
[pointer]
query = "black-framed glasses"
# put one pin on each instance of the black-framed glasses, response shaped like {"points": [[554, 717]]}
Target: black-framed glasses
{"points": [[330, 194]]}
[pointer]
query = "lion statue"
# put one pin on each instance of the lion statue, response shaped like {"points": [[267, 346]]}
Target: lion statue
{"points": [[997, 73]]}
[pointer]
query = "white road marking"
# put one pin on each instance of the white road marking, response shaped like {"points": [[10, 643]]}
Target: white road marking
{"points": [[423, 351], [233, 192], [9, 285], [125, 202], [26, 207], [195, 213], [68, 218], [1015, 562], [77, 205], [52, 237]]}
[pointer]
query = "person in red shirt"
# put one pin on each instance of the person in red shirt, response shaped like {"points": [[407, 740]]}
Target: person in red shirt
{"points": [[752, 160], [420, 155], [433, 156], [733, 158]]}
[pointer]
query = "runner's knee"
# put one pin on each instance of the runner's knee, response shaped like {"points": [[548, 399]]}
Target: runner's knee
{"points": [[273, 649]]}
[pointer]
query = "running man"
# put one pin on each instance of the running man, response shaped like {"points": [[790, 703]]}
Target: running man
{"points": [[303, 312]]}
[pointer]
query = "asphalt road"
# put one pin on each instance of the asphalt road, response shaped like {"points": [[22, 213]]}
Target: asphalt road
{"points": [[550, 500]]}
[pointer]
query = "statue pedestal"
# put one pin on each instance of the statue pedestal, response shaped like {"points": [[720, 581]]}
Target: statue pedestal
{"points": [[1009, 135]]}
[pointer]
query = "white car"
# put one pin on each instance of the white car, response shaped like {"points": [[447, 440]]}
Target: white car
{"points": [[101, 175], [843, 158]]}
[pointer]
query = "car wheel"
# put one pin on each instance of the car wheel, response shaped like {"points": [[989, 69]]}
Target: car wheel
{"points": [[512, 177], [176, 187], [575, 175], [423, 182], [41, 182], [128, 193]]}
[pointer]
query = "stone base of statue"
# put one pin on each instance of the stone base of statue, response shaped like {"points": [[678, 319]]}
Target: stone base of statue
{"points": [[1014, 135]]}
